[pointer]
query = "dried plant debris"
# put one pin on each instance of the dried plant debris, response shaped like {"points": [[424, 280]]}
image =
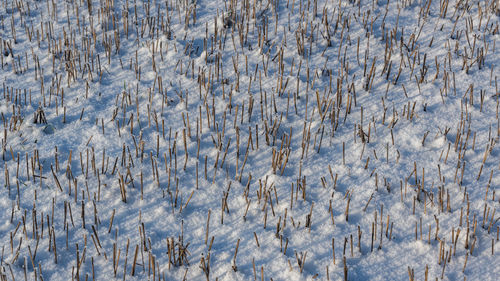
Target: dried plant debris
{"points": [[249, 140], [39, 116]]}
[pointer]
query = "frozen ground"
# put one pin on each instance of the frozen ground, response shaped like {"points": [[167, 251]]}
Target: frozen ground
{"points": [[249, 140]]}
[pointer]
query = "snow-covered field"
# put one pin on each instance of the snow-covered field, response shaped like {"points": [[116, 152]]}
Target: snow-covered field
{"points": [[249, 140]]}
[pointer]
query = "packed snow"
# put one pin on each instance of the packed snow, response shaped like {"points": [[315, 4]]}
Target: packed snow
{"points": [[249, 140]]}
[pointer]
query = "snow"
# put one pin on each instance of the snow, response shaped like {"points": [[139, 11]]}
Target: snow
{"points": [[237, 140]]}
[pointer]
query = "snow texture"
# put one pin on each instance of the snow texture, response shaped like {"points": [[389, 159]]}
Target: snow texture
{"points": [[249, 140]]}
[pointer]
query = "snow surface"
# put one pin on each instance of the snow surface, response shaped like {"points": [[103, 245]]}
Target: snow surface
{"points": [[239, 140]]}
